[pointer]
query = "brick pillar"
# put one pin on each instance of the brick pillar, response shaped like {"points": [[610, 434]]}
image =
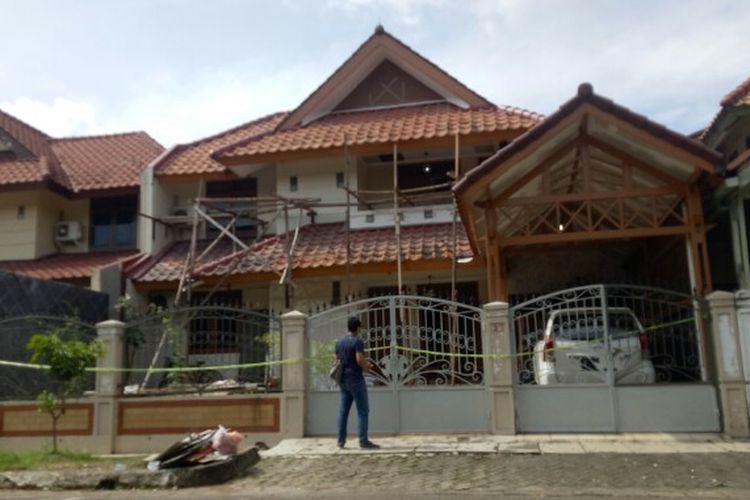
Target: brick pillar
{"points": [[293, 331], [108, 384], [729, 364], [498, 372]]}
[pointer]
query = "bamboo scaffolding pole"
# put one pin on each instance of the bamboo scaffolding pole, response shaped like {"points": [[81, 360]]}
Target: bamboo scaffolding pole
{"points": [[290, 252], [361, 199], [347, 186]]}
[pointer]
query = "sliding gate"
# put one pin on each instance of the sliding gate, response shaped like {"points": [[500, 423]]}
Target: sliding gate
{"points": [[428, 372], [612, 358]]}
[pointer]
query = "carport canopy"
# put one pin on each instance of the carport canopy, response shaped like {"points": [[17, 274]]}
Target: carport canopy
{"points": [[593, 170]]}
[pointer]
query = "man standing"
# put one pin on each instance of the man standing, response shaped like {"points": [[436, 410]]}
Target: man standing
{"points": [[350, 350]]}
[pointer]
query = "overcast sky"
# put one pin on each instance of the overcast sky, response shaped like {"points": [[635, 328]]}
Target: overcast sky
{"points": [[184, 69]]}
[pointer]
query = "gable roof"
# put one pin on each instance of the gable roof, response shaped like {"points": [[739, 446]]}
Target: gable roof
{"points": [[735, 101], [106, 161], [380, 126], [76, 165], [585, 96], [740, 96], [196, 157], [40, 166], [379, 46]]}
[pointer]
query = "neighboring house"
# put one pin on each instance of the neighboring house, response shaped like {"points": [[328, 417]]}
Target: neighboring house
{"points": [[385, 98], [69, 206], [729, 133]]}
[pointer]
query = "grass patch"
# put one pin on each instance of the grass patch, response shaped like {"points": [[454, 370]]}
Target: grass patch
{"points": [[45, 459]]}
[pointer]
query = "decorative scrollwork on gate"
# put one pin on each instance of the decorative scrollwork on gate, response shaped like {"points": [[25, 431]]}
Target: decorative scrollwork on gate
{"points": [[410, 340]]}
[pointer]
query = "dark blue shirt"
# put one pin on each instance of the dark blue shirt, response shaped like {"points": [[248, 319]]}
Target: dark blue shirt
{"points": [[346, 350]]}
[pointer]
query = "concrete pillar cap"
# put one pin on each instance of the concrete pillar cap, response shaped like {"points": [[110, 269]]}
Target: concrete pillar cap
{"points": [[293, 315]]}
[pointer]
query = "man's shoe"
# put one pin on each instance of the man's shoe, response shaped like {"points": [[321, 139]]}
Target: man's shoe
{"points": [[340, 445], [369, 445]]}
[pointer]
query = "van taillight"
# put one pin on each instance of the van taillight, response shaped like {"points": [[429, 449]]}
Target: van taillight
{"points": [[643, 338], [549, 345]]}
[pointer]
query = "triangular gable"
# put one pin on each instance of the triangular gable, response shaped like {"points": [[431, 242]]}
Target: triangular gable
{"points": [[345, 83], [388, 85], [626, 154]]}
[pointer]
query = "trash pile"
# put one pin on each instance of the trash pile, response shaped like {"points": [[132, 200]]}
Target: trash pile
{"points": [[211, 445]]}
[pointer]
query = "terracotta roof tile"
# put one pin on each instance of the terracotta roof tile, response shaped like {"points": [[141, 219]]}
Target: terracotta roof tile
{"points": [[32, 139], [740, 96], [318, 246], [77, 164], [65, 266], [105, 161], [384, 126], [195, 157]]}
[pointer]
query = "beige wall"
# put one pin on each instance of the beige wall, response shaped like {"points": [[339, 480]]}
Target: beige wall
{"points": [[32, 235], [19, 232], [53, 208]]}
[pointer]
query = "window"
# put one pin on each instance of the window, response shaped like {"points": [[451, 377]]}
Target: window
{"points": [[293, 185], [336, 293], [113, 222], [427, 173], [339, 179], [215, 326], [246, 224]]}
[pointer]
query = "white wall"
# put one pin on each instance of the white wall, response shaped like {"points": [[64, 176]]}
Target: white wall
{"points": [[316, 179]]}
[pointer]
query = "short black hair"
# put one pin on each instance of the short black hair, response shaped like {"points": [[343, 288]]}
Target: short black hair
{"points": [[353, 323]]}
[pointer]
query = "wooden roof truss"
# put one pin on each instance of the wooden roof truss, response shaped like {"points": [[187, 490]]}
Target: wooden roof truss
{"points": [[588, 190]]}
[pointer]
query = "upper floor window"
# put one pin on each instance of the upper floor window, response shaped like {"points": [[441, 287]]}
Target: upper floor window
{"points": [[418, 175], [113, 222], [244, 210]]}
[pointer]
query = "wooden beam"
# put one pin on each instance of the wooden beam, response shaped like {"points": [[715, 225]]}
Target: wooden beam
{"points": [[553, 158], [635, 162], [654, 140], [501, 288], [568, 237], [603, 195]]}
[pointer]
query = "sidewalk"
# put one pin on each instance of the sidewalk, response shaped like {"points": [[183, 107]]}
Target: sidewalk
{"points": [[533, 444]]}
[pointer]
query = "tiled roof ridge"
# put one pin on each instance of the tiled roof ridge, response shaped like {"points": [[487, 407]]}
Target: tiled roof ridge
{"points": [[379, 31], [110, 135], [373, 112], [175, 150], [140, 267], [739, 91], [24, 124]]}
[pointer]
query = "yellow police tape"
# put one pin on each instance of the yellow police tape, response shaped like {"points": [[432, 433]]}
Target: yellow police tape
{"points": [[293, 361]]}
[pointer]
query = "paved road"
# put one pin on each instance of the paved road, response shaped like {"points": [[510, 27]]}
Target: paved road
{"points": [[477, 476]]}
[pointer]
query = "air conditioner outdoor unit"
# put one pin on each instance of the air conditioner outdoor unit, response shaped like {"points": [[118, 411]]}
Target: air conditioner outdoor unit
{"points": [[69, 231]]}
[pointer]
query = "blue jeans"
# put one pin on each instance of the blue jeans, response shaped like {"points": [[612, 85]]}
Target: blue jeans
{"points": [[353, 390]]}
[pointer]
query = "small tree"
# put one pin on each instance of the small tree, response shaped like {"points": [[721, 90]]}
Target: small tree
{"points": [[68, 359]]}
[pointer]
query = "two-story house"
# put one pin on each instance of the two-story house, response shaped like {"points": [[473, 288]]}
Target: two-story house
{"points": [[69, 206], [387, 133]]}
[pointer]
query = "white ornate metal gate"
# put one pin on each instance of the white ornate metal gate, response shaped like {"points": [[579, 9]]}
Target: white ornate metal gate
{"points": [[428, 374], [612, 358]]}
